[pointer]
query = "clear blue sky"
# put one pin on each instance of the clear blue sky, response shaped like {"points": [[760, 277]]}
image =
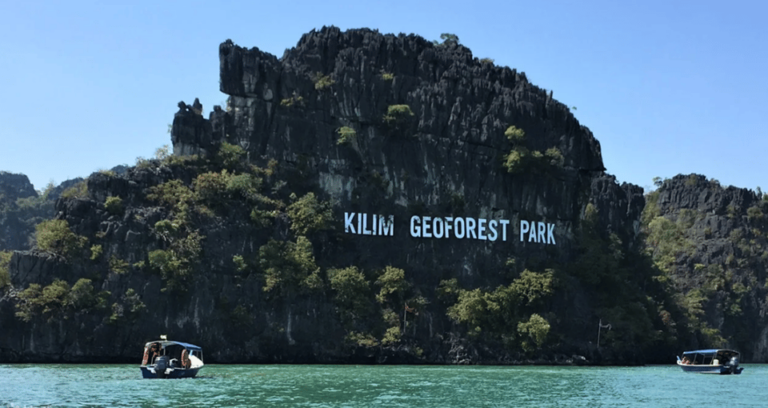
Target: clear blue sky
{"points": [[668, 87]]}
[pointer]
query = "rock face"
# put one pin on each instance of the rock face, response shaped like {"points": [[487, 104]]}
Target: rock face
{"points": [[718, 256], [427, 135], [19, 211], [451, 147], [56, 192], [21, 208], [15, 186], [191, 134]]}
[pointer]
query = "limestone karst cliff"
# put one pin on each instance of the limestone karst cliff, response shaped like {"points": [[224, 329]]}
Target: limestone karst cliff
{"points": [[711, 242], [20, 210], [266, 236]]}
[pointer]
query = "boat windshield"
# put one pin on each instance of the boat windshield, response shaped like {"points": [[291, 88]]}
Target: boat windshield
{"points": [[176, 352], [710, 357], [703, 358]]}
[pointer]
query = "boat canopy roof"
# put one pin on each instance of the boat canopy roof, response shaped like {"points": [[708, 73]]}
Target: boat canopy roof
{"points": [[709, 351], [166, 343]]}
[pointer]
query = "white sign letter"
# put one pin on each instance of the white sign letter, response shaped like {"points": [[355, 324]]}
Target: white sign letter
{"points": [[504, 224], [366, 231], [481, 229], [542, 231], [523, 229], [348, 217], [459, 222], [375, 224], [551, 234], [359, 225], [492, 227], [532, 232], [415, 229], [471, 228], [438, 232], [388, 227]]}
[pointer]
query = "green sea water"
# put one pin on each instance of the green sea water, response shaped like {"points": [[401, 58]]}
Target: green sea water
{"points": [[384, 386]]}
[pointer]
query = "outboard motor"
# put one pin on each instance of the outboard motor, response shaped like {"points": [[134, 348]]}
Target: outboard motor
{"points": [[161, 364]]}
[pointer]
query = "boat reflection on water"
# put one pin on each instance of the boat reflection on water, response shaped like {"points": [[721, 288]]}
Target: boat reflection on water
{"points": [[711, 361]]}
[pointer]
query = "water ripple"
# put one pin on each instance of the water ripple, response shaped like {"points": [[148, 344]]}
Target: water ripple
{"points": [[390, 386]]}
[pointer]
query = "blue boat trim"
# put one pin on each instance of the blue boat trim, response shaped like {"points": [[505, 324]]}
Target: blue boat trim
{"points": [[164, 343], [708, 351], [146, 372]]}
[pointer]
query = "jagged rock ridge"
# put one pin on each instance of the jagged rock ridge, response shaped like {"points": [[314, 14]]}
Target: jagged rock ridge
{"points": [[447, 159], [711, 240], [19, 211]]}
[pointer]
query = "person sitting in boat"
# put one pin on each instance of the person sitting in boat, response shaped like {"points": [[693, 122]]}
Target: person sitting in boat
{"points": [[686, 361], [185, 361], [154, 352], [149, 354], [145, 359]]}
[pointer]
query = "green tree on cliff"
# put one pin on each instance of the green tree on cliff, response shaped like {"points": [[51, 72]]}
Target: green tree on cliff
{"points": [[448, 39]]}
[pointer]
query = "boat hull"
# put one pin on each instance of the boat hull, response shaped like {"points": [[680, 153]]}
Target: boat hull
{"points": [[711, 369], [150, 372]]}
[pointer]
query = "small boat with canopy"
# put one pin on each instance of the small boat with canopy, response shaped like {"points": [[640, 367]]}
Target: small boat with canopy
{"points": [[171, 359], [712, 361]]}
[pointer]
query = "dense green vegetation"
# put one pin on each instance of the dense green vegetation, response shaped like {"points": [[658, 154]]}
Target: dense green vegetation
{"points": [[59, 300], [346, 135], [308, 214], [626, 290], [369, 303], [19, 216], [712, 291], [398, 115], [176, 263], [114, 205], [128, 308], [448, 39], [294, 101], [55, 236], [644, 295], [117, 265], [96, 251], [289, 267], [533, 332], [505, 313], [521, 159], [79, 190], [5, 277], [322, 82], [352, 293]]}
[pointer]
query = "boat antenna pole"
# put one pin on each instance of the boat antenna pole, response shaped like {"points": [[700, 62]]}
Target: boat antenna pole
{"points": [[405, 317], [600, 326]]}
